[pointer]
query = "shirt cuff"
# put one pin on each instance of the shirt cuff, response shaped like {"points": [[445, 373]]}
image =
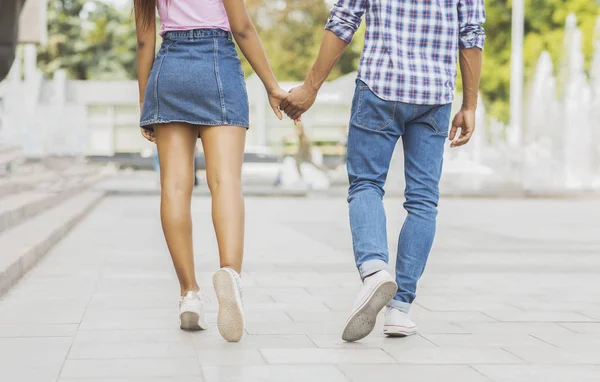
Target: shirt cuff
{"points": [[342, 30], [472, 37]]}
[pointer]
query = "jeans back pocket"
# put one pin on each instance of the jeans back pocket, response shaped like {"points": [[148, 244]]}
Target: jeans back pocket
{"points": [[373, 113]]}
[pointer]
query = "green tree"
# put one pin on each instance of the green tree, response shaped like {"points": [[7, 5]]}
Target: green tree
{"points": [[90, 40], [291, 32], [544, 30]]}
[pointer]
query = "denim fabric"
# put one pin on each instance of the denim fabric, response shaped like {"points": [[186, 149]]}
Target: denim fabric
{"points": [[196, 78], [375, 127]]}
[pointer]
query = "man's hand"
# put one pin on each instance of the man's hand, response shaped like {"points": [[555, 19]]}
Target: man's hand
{"points": [[298, 101], [465, 121]]}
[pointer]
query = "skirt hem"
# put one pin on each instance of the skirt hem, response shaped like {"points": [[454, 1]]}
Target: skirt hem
{"points": [[147, 124]]}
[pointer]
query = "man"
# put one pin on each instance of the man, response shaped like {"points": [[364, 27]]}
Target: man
{"points": [[405, 87], [9, 22]]}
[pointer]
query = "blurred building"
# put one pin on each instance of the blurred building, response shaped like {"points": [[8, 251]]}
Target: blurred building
{"points": [[100, 118]]}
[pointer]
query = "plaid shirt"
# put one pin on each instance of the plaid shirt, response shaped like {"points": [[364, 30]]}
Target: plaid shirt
{"points": [[411, 46]]}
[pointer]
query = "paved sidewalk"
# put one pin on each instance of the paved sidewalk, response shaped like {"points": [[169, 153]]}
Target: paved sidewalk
{"points": [[512, 293]]}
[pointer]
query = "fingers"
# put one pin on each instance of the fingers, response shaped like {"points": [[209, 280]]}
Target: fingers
{"points": [[285, 103], [465, 136], [277, 112], [297, 115], [148, 135], [453, 132], [291, 111]]}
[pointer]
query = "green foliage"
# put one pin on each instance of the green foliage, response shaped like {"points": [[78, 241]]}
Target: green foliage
{"points": [[93, 40], [90, 40], [544, 30], [291, 32]]}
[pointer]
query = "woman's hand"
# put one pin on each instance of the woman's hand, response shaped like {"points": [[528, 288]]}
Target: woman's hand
{"points": [[149, 135], [276, 96]]}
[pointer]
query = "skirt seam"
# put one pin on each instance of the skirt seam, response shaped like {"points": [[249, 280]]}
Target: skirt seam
{"points": [[162, 60], [218, 78]]}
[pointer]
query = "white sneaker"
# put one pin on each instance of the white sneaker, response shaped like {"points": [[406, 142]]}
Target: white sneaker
{"points": [[376, 292], [398, 324], [230, 320], [191, 312]]}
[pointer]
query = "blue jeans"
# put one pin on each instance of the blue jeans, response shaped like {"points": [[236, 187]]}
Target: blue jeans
{"points": [[375, 127]]}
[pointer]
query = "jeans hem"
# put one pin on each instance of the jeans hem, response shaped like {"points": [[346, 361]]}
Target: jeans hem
{"points": [[400, 305], [371, 266]]}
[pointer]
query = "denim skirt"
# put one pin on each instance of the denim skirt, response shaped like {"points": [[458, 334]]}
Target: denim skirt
{"points": [[196, 78]]}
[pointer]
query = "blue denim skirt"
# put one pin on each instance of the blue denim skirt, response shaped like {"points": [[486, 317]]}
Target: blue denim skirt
{"points": [[196, 78]]}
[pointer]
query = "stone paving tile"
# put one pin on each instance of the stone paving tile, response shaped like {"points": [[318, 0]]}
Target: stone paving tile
{"points": [[326, 356], [123, 350], [484, 340], [33, 351], [230, 357], [37, 330], [503, 300], [584, 328], [41, 373], [420, 373], [294, 328], [538, 316], [540, 373], [171, 335], [452, 355], [572, 340], [131, 368], [556, 356], [142, 379], [274, 373], [213, 341], [532, 328], [32, 359], [375, 340], [35, 315]]}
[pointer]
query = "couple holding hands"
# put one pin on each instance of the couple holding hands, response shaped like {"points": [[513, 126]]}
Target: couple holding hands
{"points": [[194, 88]]}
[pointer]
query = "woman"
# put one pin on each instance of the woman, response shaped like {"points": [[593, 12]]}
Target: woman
{"points": [[194, 87]]}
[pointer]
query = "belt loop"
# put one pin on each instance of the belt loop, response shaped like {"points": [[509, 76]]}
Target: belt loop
{"points": [[191, 34]]}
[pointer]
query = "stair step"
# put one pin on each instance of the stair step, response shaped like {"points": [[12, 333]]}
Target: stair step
{"points": [[14, 186], [16, 208], [23, 246]]}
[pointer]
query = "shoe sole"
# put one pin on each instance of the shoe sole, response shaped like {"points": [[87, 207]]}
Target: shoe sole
{"points": [[190, 321], [362, 322], [396, 332], [230, 320]]}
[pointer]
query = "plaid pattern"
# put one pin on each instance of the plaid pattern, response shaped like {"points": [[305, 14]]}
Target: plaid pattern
{"points": [[411, 46]]}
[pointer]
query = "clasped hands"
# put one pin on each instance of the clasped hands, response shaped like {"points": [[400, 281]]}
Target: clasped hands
{"points": [[293, 103]]}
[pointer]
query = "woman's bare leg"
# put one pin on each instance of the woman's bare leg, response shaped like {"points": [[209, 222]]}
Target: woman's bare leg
{"points": [[224, 152], [176, 145]]}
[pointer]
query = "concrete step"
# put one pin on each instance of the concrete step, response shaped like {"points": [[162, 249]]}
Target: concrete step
{"points": [[13, 186], [35, 176], [10, 158], [48, 192], [21, 247]]}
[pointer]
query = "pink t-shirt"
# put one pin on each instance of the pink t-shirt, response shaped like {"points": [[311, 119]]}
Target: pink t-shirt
{"points": [[183, 15]]}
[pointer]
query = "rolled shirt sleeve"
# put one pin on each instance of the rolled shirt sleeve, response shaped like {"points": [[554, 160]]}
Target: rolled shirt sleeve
{"points": [[471, 16], [345, 18]]}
